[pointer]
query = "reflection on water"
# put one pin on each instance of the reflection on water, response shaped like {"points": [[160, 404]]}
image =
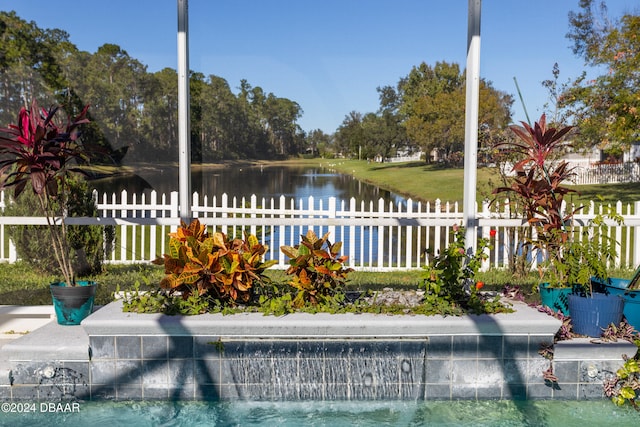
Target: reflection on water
{"points": [[263, 181]]}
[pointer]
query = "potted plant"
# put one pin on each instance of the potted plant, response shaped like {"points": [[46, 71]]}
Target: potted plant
{"points": [[629, 289], [538, 186], [41, 153], [568, 258], [586, 256]]}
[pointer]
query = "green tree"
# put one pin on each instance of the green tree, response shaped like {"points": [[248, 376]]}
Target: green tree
{"points": [[433, 107], [159, 117], [606, 109], [319, 144], [350, 137]]}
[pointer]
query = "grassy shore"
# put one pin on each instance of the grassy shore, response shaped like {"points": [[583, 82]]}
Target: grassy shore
{"points": [[425, 182]]}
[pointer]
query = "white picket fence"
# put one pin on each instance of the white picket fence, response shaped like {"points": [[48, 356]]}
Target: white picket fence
{"points": [[376, 236], [607, 174]]}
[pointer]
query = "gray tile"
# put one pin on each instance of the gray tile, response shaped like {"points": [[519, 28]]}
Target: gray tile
{"points": [[465, 347], [464, 372], [414, 348], [184, 392], [536, 341], [76, 372], [463, 391], [516, 347], [5, 393], [489, 392], [208, 371], [515, 371], [128, 372], [25, 392], [155, 372], [155, 347], [490, 346], [103, 372], [102, 347], [181, 371], [566, 391], [129, 347], [103, 392], [490, 373], [208, 347], [535, 369], [514, 391], [26, 374], [439, 347], [539, 391], [438, 371], [566, 372], [437, 392], [155, 392], [129, 392], [591, 391], [182, 347]]}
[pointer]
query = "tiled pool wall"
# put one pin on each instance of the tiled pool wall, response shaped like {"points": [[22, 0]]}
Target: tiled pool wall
{"points": [[158, 363]]}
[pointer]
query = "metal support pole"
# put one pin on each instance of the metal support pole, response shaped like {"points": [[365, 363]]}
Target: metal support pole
{"points": [[184, 118], [471, 124]]}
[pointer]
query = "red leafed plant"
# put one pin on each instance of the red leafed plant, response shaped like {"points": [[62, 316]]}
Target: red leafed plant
{"points": [[539, 183], [40, 151]]}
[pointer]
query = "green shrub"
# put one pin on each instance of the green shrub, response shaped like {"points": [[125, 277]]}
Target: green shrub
{"points": [[87, 243], [450, 280]]}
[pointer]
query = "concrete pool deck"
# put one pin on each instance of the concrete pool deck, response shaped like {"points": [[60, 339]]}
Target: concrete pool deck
{"points": [[118, 356]]}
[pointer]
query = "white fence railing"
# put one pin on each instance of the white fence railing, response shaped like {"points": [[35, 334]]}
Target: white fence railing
{"points": [[607, 174], [375, 236]]}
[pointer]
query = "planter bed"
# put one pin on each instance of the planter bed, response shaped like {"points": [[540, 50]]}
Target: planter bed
{"points": [[119, 356]]}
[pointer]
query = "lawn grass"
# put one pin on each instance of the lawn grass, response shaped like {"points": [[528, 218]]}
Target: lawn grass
{"points": [[417, 180], [425, 182]]}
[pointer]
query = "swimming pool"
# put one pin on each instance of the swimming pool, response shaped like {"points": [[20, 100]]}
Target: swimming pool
{"points": [[352, 414]]}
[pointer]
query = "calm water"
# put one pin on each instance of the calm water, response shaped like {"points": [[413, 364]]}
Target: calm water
{"points": [[267, 182], [263, 181], [285, 414]]}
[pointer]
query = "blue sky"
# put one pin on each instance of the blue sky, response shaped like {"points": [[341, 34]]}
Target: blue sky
{"points": [[330, 55]]}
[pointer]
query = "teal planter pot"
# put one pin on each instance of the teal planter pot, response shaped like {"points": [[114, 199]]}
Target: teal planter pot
{"points": [[73, 304], [618, 286], [590, 315], [557, 299]]}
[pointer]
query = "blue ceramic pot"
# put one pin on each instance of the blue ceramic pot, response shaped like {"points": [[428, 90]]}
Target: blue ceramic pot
{"points": [[618, 286], [590, 315], [555, 298], [73, 303]]}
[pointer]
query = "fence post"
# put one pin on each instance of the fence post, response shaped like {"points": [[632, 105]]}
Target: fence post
{"points": [[174, 209], [486, 234], [636, 237], [332, 214], [380, 235]]}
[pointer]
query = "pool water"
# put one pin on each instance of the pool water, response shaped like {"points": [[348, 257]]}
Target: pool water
{"points": [[351, 414]]}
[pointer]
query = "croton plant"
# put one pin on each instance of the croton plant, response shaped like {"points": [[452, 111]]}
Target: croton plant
{"points": [[227, 269]]}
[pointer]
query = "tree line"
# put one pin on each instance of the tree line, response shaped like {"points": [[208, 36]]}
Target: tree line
{"points": [[135, 111]]}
